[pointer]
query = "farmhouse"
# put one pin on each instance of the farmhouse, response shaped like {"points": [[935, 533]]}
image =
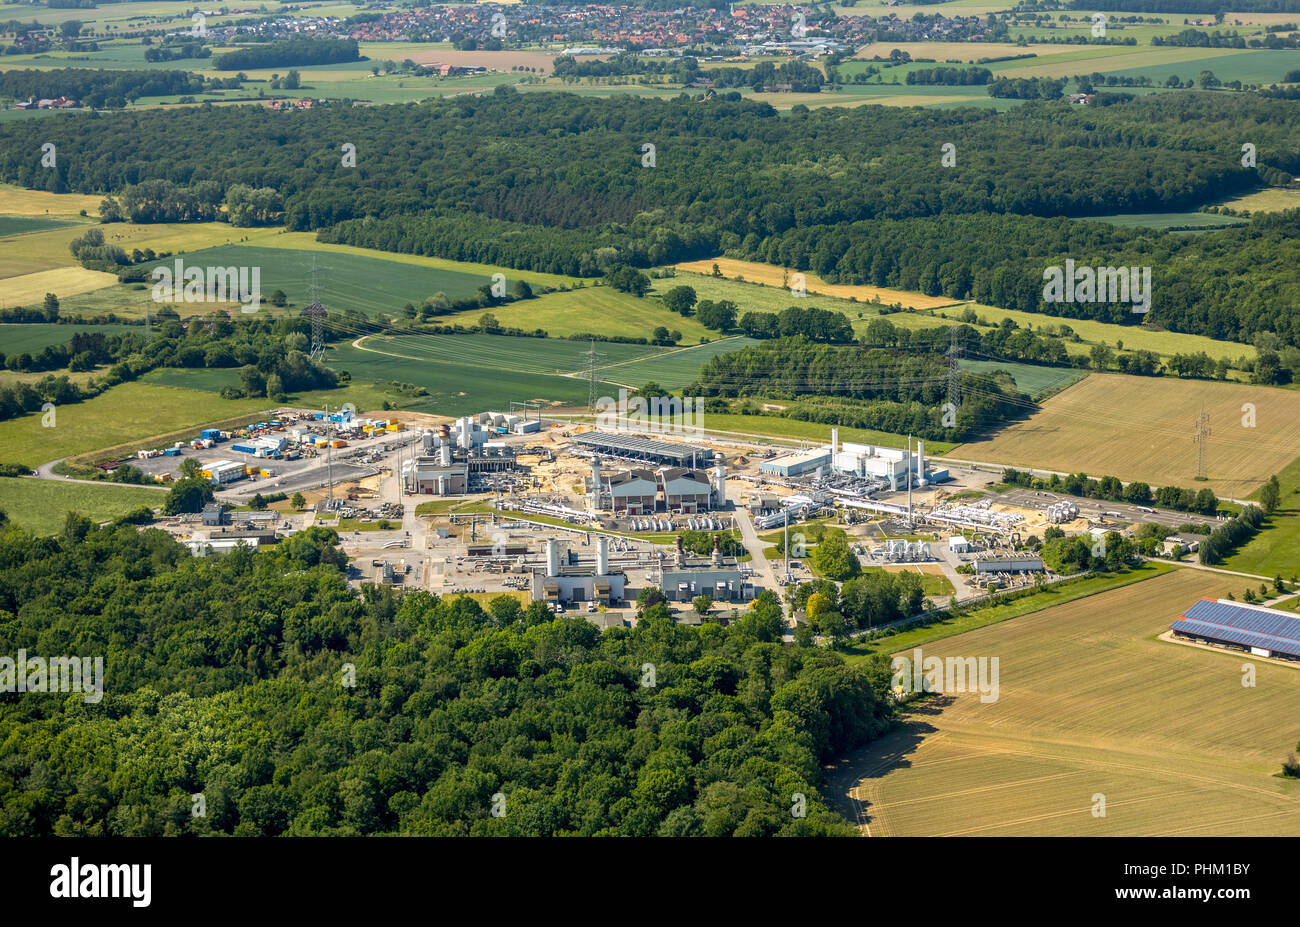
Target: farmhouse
{"points": [[1254, 629]]}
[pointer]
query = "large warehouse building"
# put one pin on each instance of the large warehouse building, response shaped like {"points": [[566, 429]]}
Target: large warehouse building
{"points": [[1254, 629], [645, 450]]}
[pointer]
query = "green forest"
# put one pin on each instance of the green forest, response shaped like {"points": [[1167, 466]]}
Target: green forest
{"points": [[294, 705], [564, 184]]}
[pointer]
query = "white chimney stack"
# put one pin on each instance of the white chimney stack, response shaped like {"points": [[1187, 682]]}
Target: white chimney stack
{"points": [[552, 557], [720, 484], [920, 460], [602, 556], [835, 442], [444, 454]]}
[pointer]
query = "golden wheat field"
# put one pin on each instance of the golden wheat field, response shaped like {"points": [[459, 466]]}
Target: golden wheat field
{"points": [[1090, 705], [1143, 428]]}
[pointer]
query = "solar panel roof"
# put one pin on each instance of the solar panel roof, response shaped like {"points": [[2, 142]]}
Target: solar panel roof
{"points": [[1242, 624]]}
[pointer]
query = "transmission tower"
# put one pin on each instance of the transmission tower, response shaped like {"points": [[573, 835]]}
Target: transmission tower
{"points": [[592, 362], [954, 369], [316, 312], [1202, 440]]}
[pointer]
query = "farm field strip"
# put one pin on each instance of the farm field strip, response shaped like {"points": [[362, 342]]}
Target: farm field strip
{"points": [[306, 241], [1075, 716], [1141, 428], [589, 309], [770, 275], [531, 355], [31, 288]]}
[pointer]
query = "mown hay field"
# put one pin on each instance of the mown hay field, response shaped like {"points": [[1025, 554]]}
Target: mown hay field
{"points": [[1090, 703], [1142, 428]]}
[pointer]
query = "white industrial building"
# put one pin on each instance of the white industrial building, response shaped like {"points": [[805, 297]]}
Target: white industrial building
{"points": [[719, 578], [223, 471], [564, 581], [633, 492], [638, 491], [685, 491], [1009, 565]]}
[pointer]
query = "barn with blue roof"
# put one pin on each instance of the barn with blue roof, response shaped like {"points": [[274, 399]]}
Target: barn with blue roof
{"points": [[1254, 629]]}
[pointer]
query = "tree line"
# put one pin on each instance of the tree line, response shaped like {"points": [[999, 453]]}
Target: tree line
{"points": [[289, 52], [1202, 501], [103, 89], [897, 391]]}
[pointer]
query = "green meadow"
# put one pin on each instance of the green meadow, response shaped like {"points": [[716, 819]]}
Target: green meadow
{"points": [[41, 506], [371, 285]]}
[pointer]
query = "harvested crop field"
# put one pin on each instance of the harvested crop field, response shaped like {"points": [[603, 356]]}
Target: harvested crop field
{"points": [[1142, 428], [1089, 704]]}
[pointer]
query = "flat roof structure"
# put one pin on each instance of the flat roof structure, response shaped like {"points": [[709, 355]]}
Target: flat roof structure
{"points": [[796, 464], [635, 447], [1246, 626]]}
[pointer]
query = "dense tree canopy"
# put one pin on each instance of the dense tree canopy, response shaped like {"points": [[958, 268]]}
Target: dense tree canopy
{"points": [[229, 676]]}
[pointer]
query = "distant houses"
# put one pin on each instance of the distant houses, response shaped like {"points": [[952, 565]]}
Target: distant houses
{"points": [[56, 103]]}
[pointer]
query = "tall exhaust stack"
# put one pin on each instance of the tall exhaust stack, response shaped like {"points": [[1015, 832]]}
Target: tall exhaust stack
{"points": [[594, 498], [602, 556], [444, 454], [717, 550], [720, 484], [835, 443], [681, 552], [552, 557], [920, 461]]}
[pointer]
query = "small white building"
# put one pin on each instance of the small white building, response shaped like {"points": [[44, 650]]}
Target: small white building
{"points": [[958, 544]]}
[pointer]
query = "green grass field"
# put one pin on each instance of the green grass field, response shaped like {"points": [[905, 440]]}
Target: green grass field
{"points": [[770, 426], [1165, 220], [345, 281], [13, 226], [1134, 337], [674, 368], [1034, 380], [593, 309], [1276, 549], [458, 388], [40, 506], [125, 413], [34, 337], [527, 355]]}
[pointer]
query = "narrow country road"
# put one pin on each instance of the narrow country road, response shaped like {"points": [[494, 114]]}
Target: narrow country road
{"points": [[46, 472]]}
